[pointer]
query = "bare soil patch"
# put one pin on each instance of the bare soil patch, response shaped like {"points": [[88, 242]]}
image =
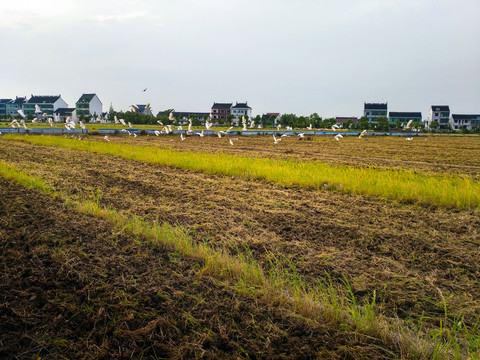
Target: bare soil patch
{"points": [[73, 287]]}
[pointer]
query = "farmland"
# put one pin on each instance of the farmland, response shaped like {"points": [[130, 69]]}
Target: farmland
{"points": [[91, 283]]}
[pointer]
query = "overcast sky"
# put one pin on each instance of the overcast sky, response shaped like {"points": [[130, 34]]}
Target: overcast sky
{"points": [[284, 56]]}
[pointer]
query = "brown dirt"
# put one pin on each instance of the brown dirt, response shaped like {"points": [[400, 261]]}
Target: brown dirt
{"points": [[413, 257], [73, 287]]}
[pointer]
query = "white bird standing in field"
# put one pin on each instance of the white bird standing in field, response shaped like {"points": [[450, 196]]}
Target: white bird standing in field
{"points": [[189, 124], [156, 132], [244, 123], [338, 137], [409, 139], [129, 124], [106, 138], [279, 126], [362, 134], [50, 121], [335, 127], [82, 125], [252, 124], [275, 140]]}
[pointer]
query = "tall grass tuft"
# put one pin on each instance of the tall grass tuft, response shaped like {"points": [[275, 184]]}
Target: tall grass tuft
{"points": [[400, 185]]}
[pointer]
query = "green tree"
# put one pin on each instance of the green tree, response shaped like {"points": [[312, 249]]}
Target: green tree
{"points": [[382, 124], [364, 124], [434, 125]]}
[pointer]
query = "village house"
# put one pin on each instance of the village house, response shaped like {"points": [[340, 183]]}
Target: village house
{"points": [[373, 111], [47, 104], [439, 114], [464, 121], [88, 106]]}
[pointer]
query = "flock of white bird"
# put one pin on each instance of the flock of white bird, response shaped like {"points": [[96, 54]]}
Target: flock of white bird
{"points": [[167, 129]]}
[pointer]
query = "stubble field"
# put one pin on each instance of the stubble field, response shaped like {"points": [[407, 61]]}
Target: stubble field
{"points": [[75, 283]]}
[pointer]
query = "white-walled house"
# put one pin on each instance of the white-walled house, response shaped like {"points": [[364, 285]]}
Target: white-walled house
{"points": [[439, 114], [89, 105], [239, 110], [47, 103], [464, 121]]}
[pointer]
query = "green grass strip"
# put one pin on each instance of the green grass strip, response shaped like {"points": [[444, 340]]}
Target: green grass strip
{"points": [[400, 185], [280, 286]]}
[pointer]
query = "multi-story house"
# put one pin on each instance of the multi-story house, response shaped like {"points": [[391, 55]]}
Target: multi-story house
{"points": [[439, 114], [404, 117], [3, 107], [48, 104], [220, 111], [89, 105], [15, 105], [463, 121], [239, 110], [61, 114], [373, 111]]}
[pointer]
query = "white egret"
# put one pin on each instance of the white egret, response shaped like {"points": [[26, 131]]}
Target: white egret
{"points": [[279, 126], [409, 124], [134, 135], [362, 134], [338, 137], [122, 121], [409, 139], [179, 128], [301, 135], [189, 124], [309, 127], [116, 120], [159, 122], [106, 138], [182, 137], [22, 114], [157, 132], [275, 140], [171, 117], [200, 134], [335, 127]]}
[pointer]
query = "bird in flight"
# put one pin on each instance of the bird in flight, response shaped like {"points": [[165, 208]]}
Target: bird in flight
{"points": [[275, 140], [362, 134], [409, 124], [338, 137], [409, 139], [182, 137], [335, 127], [144, 89], [157, 132]]}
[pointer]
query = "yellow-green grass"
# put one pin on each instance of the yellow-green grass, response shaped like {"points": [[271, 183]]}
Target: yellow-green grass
{"points": [[281, 285], [399, 185]]}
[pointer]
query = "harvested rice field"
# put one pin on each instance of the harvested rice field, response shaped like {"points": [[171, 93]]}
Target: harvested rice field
{"points": [[110, 254]]}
